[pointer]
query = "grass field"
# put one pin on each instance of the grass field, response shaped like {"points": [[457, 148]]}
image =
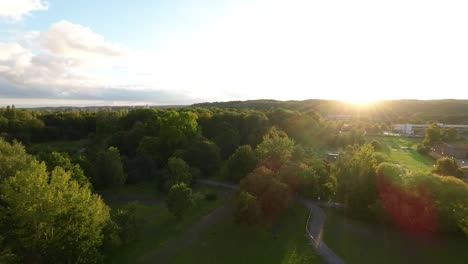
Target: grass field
{"points": [[361, 243], [227, 242], [402, 150], [156, 226]]}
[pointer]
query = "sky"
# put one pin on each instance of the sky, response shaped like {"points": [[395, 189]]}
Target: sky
{"points": [[87, 52]]}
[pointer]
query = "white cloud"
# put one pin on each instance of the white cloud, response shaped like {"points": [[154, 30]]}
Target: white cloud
{"points": [[69, 61], [61, 60], [71, 40], [15, 9]]}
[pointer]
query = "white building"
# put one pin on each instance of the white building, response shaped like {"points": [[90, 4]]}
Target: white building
{"points": [[411, 129]]}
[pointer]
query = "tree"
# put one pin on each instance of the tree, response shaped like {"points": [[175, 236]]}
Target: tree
{"points": [[423, 149], [450, 134], [125, 219], [241, 162], [202, 154], [273, 196], [179, 200], [432, 135], [178, 128], [355, 171], [247, 210], [275, 149], [56, 159], [446, 166], [50, 218], [13, 158], [179, 171], [110, 169]]}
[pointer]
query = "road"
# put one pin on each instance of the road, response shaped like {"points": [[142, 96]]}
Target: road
{"points": [[314, 225]]}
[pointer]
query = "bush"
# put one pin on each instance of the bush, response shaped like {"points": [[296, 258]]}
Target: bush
{"points": [[211, 196], [423, 149]]}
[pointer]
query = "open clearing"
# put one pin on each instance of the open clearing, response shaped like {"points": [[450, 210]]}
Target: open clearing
{"points": [[227, 242], [155, 225], [402, 150], [362, 242]]}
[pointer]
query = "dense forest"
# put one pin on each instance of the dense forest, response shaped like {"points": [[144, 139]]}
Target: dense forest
{"points": [[51, 210]]}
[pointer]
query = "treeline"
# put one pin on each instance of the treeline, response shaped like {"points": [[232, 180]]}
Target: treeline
{"points": [[421, 203], [393, 111]]}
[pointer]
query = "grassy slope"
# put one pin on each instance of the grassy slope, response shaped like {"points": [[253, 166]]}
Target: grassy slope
{"points": [[156, 225], [359, 242], [408, 158], [228, 243]]}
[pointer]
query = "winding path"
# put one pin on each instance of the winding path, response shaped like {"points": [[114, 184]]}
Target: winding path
{"points": [[314, 225]]}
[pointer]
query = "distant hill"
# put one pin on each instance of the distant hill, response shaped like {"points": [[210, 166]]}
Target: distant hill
{"points": [[417, 111]]}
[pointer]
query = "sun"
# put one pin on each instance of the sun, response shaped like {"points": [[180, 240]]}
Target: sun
{"points": [[360, 100]]}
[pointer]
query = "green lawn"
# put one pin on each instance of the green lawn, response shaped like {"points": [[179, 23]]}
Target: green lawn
{"points": [[227, 242], [156, 226], [402, 150], [359, 242]]}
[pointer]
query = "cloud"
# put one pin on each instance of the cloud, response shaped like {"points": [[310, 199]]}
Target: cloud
{"points": [[71, 40], [71, 62], [14, 10], [62, 61]]}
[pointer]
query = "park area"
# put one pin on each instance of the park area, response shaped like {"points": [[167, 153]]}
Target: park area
{"points": [[358, 241], [158, 232], [228, 242], [208, 233], [402, 150]]}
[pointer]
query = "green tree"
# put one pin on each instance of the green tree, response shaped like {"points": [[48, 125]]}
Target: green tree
{"points": [[202, 154], [56, 159], [432, 135], [275, 149], [355, 171], [50, 218], [110, 170], [449, 134], [179, 200], [178, 128], [446, 166], [272, 194], [125, 218], [247, 210], [13, 158], [179, 171], [241, 162]]}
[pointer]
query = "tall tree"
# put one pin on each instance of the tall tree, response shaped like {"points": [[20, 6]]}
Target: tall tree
{"points": [[50, 218], [56, 159], [432, 135], [241, 162], [13, 158], [110, 170], [179, 171], [355, 171], [275, 149], [179, 200]]}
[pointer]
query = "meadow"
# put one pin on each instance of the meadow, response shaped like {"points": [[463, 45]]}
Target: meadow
{"points": [[402, 150]]}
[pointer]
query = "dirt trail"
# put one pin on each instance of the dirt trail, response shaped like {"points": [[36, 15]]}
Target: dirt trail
{"points": [[174, 246]]}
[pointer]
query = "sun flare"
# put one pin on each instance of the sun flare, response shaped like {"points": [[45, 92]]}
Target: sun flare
{"points": [[360, 100]]}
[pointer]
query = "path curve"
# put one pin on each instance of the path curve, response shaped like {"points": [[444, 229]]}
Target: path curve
{"points": [[314, 225]]}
